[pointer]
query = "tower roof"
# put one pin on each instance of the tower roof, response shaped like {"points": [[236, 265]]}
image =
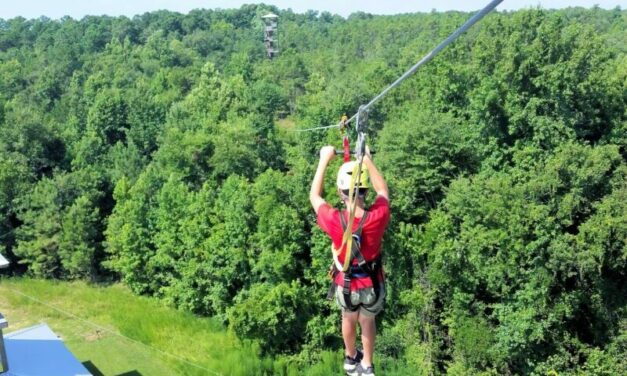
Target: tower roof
{"points": [[270, 15]]}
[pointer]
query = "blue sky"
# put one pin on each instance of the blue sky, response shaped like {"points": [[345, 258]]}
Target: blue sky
{"points": [[79, 8]]}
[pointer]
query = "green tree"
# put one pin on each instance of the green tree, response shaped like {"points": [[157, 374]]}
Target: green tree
{"points": [[39, 235], [15, 181], [501, 249], [78, 239], [108, 117], [421, 152], [280, 241], [274, 315], [129, 237]]}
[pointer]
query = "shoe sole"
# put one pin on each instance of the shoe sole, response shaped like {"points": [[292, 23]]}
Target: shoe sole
{"points": [[354, 372]]}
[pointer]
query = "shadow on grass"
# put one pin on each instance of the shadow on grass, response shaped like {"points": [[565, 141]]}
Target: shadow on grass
{"points": [[91, 367]]}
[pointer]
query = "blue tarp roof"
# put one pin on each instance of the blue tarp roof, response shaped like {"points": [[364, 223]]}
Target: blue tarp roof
{"points": [[37, 351]]}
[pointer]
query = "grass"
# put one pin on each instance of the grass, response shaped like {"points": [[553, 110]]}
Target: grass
{"points": [[201, 341], [154, 331]]}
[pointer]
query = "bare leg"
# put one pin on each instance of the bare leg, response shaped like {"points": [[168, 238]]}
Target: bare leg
{"points": [[368, 334], [349, 331]]}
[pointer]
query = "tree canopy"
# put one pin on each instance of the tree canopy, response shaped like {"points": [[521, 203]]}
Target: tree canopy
{"points": [[159, 151]]}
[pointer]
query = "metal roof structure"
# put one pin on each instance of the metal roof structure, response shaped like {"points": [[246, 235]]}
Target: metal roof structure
{"points": [[38, 351], [270, 15]]}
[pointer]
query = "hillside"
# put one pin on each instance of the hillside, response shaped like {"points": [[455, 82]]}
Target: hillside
{"points": [[160, 153]]}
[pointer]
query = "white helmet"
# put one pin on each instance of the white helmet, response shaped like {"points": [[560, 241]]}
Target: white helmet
{"points": [[345, 175]]}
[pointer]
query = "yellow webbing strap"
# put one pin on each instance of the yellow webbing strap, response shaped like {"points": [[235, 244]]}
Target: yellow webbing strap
{"points": [[347, 238]]}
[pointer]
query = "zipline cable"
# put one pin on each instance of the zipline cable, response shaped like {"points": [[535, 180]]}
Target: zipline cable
{"points": [[315, 128], [467, 25], [473, 20], [110, 331]]}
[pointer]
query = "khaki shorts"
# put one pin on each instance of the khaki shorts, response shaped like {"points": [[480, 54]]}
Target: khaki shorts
{"points": [[363, 300]]}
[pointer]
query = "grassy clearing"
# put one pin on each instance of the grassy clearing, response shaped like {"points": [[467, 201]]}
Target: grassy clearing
{"points": [[202, 341], [198, 340]]}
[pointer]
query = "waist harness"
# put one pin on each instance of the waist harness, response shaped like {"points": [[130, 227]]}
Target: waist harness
{"points": [[359, 269]]}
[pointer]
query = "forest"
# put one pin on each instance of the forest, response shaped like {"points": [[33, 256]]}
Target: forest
{"points": [[161, 151]]}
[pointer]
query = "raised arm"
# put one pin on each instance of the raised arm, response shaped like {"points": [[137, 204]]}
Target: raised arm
{"points": [[327, 153], [378, 183]]}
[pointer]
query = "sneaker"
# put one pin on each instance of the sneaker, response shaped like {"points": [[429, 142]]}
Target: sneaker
{"points": [[361, 370], [351, 363]]}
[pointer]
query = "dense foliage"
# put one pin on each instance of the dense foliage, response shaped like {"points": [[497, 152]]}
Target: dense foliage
{"points": [[159, 150]]}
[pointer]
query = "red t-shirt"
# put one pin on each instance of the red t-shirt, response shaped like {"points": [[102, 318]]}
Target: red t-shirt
{"points": [[371, 234]]}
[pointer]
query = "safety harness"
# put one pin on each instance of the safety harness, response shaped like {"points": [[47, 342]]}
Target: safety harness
{"points": [[359, 267]]}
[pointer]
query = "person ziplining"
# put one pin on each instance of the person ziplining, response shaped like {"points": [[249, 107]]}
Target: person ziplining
{"points": [[358, 282], [358, 287]]}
